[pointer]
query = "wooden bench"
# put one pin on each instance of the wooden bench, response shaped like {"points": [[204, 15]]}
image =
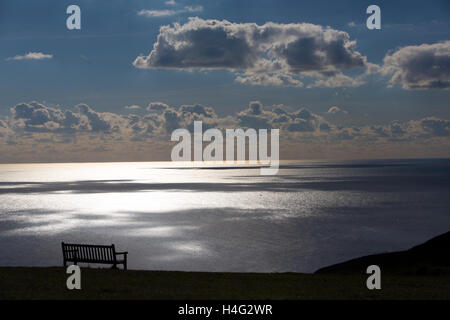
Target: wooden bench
{"points": [[89, 253]]}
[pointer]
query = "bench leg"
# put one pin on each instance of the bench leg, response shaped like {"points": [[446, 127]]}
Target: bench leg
{"points": [[125, 265]]}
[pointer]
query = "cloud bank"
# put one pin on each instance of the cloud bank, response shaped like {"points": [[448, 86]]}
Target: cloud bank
{"points": [[36, 132]]}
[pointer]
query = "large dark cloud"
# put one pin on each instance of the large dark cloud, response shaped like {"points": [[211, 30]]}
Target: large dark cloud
{"points": [[270, 54], [426, 66]]}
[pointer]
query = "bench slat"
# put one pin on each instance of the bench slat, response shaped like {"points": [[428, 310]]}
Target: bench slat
{"points": [[95, 253], [103, 255], [91, 253]]}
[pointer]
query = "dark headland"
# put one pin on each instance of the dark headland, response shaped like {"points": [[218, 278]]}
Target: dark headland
{"points": [[431, 257], [422, 272]]}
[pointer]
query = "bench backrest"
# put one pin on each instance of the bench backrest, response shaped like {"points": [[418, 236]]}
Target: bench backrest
{"points": [[88, 252]]}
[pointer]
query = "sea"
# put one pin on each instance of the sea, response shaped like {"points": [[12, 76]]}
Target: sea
{"points": [[178, 216]]}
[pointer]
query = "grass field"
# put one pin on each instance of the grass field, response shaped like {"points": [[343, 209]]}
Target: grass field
{"points": [[50, 283]]}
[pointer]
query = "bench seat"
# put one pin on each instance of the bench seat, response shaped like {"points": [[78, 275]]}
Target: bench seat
{"points": [[89, 253]]}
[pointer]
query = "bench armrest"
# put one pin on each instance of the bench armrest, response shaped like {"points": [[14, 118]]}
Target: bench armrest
{"points": [[125, 252]]}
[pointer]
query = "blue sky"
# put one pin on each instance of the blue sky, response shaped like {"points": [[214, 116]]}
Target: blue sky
{"points": [[94, 65], [113, 35]]}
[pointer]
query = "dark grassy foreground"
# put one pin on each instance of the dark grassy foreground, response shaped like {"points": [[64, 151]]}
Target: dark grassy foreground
{"points": [[422, 272], [50, 283]]}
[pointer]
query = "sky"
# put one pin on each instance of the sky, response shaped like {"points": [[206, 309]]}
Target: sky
{"points": [[136, 70]]}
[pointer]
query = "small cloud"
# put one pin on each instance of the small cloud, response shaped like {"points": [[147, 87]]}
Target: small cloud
{"points": [[156, 13], [85, 58], [167, 12], [32, 56], [336, 110], [351, 24], [132, 107], [170, 3], [192, 9]]}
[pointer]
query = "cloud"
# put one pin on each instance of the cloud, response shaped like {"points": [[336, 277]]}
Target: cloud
{"points": [[36, 117], [304, 120], [193, 9], [197, 44], [32, 56], [97, 121], [338, 80], [170, 2], [254, 116], [168, 12], [268, 54], [301, 126], [5, 130], [255, 107], [436, 127], [262, 79], [156, 13], [166, 118], [425, 66], [133, 107], [198, 109], [336, 110], [261, 117], [157, 107]]}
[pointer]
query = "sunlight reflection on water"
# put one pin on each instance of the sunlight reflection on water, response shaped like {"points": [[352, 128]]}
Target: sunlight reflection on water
{"points": [[309, 215]]}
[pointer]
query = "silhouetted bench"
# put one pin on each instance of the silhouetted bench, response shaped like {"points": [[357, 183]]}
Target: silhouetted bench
{"points": [[93, 254]]}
